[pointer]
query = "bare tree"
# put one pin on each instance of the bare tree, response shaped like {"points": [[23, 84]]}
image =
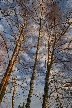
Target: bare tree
{"points": [[54, 37], [52, 27], [36, 58], [12, 62]]}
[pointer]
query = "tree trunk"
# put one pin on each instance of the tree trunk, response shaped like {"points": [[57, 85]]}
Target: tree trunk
{"points": [[46, 88], [12, 63], [34, 71]]}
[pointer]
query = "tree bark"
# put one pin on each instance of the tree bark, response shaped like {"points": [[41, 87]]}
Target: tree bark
{"points": [[34, 71], [11, 64]]}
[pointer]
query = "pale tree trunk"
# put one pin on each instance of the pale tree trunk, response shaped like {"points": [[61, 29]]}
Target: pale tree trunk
{"points": [[12, 63], [49, 64], [34, 70], [46, 87], [50, 60], [36, 61]]}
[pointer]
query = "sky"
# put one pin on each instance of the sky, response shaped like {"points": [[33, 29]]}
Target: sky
{"points": [[39, 82]]}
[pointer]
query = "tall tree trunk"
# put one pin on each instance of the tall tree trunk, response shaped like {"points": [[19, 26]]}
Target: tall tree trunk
{"points": [[36, 58], [46, 88], [51, 49], [11, 64], [34, 70], [49, 64]]}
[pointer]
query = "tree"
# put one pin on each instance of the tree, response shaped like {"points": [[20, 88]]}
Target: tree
{"points": [[36, 58], [44, 31], [57, 30], [12, 62]]}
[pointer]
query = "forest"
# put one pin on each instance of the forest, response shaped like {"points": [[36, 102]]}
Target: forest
{"points": [[35, 53]]}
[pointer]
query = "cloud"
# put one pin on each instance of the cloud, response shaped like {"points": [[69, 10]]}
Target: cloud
{"points": [[1, 28]]}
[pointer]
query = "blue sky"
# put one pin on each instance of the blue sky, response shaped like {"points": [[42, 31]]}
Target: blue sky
{"points": [[39, 82]]}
